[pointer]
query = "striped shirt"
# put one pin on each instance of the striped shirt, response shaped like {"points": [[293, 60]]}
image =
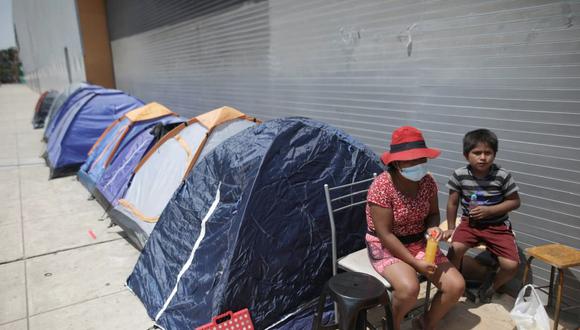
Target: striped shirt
{"points": [[490, 190]]}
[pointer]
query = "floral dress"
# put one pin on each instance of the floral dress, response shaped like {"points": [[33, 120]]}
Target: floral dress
{"points": [[409, 218]]}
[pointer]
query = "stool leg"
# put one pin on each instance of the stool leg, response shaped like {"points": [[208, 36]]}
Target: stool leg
{"points": [[361, 320], [316, 322], [558, 297], [527, 270], [427, 297], [389, 315], [348, 317], [551, 287]]}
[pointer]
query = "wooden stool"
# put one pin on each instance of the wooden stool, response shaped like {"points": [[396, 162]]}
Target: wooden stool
{"points": [[557, 256]]}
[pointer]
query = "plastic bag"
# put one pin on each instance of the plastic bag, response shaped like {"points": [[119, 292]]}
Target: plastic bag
{"points": [[528, 312]]}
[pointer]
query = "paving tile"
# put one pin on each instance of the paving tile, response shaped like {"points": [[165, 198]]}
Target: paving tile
{"points": [[34, 183], [118, 311], [44, 198], [8, 141], [9, 184], [30, 147], [10, 242], [12, 292], [78, 275], [9, 211], [18, 325], [56, 206], [45, 234]]}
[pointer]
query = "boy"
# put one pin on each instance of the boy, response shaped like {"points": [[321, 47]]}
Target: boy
{"points": [[486, 218]]}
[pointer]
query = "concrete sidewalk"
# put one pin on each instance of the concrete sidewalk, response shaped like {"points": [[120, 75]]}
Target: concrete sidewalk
{"points": [[53, 273]]}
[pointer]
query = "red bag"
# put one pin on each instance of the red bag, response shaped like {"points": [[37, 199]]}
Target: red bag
{"points": [[239, 320]]}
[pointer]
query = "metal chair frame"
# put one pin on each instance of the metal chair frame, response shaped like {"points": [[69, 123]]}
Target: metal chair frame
{"points": [[357, 197]]}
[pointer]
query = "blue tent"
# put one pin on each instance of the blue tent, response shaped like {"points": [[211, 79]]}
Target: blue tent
{"points": [[81, 125], [63, 102], [121, 134], [249, 226]]}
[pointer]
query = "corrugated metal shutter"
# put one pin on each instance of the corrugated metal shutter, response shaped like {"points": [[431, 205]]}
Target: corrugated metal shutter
{"points": [[370, 66], [45, 29]]}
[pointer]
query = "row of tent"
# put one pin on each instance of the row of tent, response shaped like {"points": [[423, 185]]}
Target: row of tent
{"points": [[228, 211]]}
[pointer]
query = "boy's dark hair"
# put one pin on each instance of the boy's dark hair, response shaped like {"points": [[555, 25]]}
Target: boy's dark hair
{"points": [[482, 135]]}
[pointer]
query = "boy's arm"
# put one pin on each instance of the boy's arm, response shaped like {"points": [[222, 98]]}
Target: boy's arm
{"points": [[509, 203], [452, 206]]}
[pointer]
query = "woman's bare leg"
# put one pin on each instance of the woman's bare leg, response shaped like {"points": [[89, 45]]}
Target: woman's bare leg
{"points": [[451, 286], [403, 278]]}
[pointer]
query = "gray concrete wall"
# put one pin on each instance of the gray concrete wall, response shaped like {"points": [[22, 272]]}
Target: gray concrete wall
{"points": [[44, 29], [370, 66]]}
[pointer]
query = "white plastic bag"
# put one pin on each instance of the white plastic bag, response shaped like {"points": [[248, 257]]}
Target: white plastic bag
{"points": [[528, 312]]}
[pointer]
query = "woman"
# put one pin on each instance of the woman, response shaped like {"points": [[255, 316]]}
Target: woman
{"points": [[402, 207]]}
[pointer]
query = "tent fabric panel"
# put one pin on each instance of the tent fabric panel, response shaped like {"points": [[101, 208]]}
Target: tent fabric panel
{"points": [[105, 135], [64, 98], [136, 213], [84, 123], [54, 145], [134, 230], [75, 95], [103, 147], [158, 178], [307, 157], [159, 143], [150, 111], [141, 127], [218, 116], [113, 182], [271, 219], [174, 239], [94, 166], [223, 132], [96, 117], [116, 177], [189, 261]]}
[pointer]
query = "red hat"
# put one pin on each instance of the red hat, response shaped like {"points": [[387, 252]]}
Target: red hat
{"points": [[407, 143]]}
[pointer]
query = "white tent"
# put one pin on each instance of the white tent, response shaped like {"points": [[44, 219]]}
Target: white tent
{"points": [[167, 164]]}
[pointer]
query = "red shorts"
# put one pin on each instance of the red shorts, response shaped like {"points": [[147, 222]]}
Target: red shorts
{"points": [[499, 240]]}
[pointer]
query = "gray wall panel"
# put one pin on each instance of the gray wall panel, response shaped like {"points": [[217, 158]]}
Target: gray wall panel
{"points": [[44, 29], [509, 65]]}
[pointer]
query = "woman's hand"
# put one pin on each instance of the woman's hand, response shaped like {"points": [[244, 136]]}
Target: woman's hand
{"points": [[438, 233], [425, 268]]}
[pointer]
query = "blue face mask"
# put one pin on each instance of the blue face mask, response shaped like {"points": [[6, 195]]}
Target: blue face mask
{"points": [[414, 173]]}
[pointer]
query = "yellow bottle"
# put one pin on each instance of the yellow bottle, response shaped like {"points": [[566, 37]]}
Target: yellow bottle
{"points": [[431, 249]]}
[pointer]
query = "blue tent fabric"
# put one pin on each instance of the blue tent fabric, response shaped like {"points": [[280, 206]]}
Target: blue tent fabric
{"points": [[64, 102], [95, 166], [116, 179], [249, 226], [82, 124]]}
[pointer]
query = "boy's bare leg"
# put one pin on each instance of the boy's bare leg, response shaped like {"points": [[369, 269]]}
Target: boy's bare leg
{"points": [[507, 270], [456, 253]]}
